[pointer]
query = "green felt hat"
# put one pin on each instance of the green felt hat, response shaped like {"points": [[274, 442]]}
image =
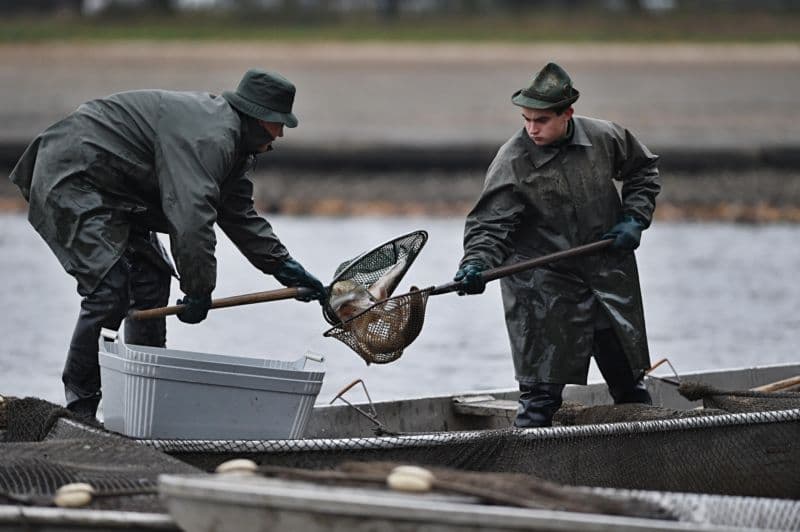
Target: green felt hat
{"points": [[264, 95], [550, 88]]}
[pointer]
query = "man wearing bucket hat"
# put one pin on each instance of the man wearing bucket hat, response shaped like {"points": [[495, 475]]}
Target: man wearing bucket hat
{"points": [[104, 180], [550, 188]]}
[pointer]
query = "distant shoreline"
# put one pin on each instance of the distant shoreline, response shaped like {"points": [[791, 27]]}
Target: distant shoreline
{"points": [[457, 156], [407, 128], [746, 196]]}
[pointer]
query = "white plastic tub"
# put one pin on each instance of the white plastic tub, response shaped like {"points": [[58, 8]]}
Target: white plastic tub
{"points": [[156, 393]]}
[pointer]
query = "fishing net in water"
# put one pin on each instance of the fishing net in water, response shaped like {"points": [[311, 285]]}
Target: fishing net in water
{"points": [[364, 316]]}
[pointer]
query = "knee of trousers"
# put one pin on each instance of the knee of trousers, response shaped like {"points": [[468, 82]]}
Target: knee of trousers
{"points": [[106, 310], [109, 301], [150, 288]]}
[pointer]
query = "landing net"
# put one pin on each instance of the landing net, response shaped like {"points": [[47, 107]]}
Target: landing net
{"points": [[369, 267], [360, 308], [380, 333]]}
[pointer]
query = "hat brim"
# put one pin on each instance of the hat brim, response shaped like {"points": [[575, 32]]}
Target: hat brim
{"points": [[258, 111], [518, 98]]}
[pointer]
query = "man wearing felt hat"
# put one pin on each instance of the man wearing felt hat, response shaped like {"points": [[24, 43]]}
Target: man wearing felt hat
{"points": [[104, 180], [551, 187]]}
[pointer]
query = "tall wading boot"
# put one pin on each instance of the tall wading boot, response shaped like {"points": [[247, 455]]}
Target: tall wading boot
{"points": [[538, 403], [83, 407], [134, 281], [104, 307], [623, 386]]}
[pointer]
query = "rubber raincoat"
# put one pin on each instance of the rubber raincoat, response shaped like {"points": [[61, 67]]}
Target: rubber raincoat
{"points": [[150, 160], [542, 199]]}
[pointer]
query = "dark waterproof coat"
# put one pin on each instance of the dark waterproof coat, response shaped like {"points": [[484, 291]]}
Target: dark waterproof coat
{"points": [[542, 199], [140, 161]]}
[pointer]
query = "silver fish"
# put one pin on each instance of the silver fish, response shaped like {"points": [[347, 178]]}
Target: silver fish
{"points": [[349, 297]]}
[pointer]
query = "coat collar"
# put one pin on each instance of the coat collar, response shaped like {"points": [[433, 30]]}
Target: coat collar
{"points": [[541, 155], [579, 137]]}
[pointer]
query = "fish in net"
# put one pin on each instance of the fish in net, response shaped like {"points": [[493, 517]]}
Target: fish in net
{"points": [[360, 308], [380, 332], [371, 276]]}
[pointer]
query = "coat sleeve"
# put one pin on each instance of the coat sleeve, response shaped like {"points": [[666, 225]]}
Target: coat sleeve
{"points": [[189, 169], [250, 233], [637, 168], [491, 224], [22, 174]]}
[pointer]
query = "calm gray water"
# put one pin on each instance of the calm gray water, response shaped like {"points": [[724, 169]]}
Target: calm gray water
{"points": [[715, 295]]}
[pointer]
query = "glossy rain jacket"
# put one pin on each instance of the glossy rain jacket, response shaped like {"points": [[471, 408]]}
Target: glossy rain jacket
{"points": [[140, 161], [542, 199]]}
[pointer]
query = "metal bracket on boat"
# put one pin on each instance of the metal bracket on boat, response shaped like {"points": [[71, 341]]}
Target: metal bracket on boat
{"points": [[675, 382], [380, 429]]}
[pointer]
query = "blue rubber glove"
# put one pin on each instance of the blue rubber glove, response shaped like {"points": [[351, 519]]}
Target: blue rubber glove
{"points": [[195, 308], [469, 275], [626, 234], [292, 274]]}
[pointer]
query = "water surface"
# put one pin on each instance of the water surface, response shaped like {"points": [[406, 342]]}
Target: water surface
{"points": [[715, 296]]}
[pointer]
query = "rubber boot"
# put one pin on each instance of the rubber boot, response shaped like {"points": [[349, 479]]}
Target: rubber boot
{"points": [[104, 307], [538, 402], [623, 386], [83, 407], [134, 281]]}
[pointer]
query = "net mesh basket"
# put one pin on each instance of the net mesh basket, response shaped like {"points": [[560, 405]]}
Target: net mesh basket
{"points": [[369, 267], [381, 333]]}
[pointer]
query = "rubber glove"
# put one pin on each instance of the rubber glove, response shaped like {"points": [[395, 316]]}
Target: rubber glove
{"points": [[469, 275], [292, 274], [195, 308], [626, 234]]}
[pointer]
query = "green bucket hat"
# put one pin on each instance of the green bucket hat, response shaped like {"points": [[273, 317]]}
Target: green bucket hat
{"points": [[550, 88], [264, 95]]}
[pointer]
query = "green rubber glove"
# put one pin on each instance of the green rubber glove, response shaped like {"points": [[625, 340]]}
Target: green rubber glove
{"points": [[292, 274], [195, 308], [469, 275], [626, 234]]}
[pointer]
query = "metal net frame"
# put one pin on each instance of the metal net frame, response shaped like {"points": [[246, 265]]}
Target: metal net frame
{"points": [[380, 333], [367, 268]]}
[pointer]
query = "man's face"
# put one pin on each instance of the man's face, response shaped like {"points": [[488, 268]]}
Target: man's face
{"points": [[544, 126], [275, 130]]}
